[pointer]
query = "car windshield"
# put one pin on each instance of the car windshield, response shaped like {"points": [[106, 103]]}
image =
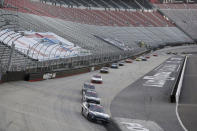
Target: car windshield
{"points": [[105, 68], [91, 94], [89, 86], [96, 108], [97, 76]]}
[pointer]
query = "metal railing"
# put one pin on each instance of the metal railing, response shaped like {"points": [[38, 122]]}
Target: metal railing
{"points": [[22, 62]]}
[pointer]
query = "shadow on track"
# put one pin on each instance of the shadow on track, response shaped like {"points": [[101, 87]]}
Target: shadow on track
{"points": [[112, 126]]}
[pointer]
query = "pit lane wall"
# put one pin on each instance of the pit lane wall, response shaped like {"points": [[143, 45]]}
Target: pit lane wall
{"points": [[180, 82], [176, 88]]}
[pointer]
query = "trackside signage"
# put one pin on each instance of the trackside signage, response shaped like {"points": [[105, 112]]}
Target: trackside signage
{"points": [[164, 74]]}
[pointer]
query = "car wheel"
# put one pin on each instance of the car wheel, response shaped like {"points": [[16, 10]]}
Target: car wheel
{"points": [[105, 122], [82, 111], [88, 117]]}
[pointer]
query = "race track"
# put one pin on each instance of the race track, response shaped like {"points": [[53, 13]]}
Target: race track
{"points": [[54, 105], [145, 108]]}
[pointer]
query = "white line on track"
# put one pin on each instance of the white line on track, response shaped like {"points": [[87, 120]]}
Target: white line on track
{"points": [[179, 119], [177, 96]]}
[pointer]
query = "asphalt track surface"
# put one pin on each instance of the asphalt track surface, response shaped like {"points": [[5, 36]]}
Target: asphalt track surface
{"points": [[187, 107], [146, 102], [54, 105]]}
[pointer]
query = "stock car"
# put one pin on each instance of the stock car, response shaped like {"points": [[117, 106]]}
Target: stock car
{"points": [[104, 70], [94, 112], [96, 79], [114, 65], [87, 86], [147, 57], [91, 97], [143, 59], [174, 53], [138, 59], [128, 60], [155, 55], [169, 52], [121, 63]]}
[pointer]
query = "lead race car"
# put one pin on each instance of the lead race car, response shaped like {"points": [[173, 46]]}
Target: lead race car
{"points": [[94, 112]]}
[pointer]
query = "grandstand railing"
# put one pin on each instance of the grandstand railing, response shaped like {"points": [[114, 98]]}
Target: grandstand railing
{"points": [[18, 59], [28, 65]]}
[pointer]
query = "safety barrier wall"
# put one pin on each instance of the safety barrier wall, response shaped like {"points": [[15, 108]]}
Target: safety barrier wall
{"points": [[180, 81], [62, 73], [12, 76], [43, 73], [175, 87]]}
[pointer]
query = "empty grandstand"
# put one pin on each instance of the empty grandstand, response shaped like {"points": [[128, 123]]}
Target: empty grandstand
{"points": [[84, 33], [119, 4], [183, 15]]}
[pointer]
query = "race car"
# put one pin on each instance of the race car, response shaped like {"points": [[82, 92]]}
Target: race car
{"points": [[94, 112], [91, 97], [128, 61], [138, 59], [104, 70], [174, 53], [96, 79], [169, 52], [155, 55], [147, 57], [121, 63], [87, 86], [114, 65], [143, 59]]}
